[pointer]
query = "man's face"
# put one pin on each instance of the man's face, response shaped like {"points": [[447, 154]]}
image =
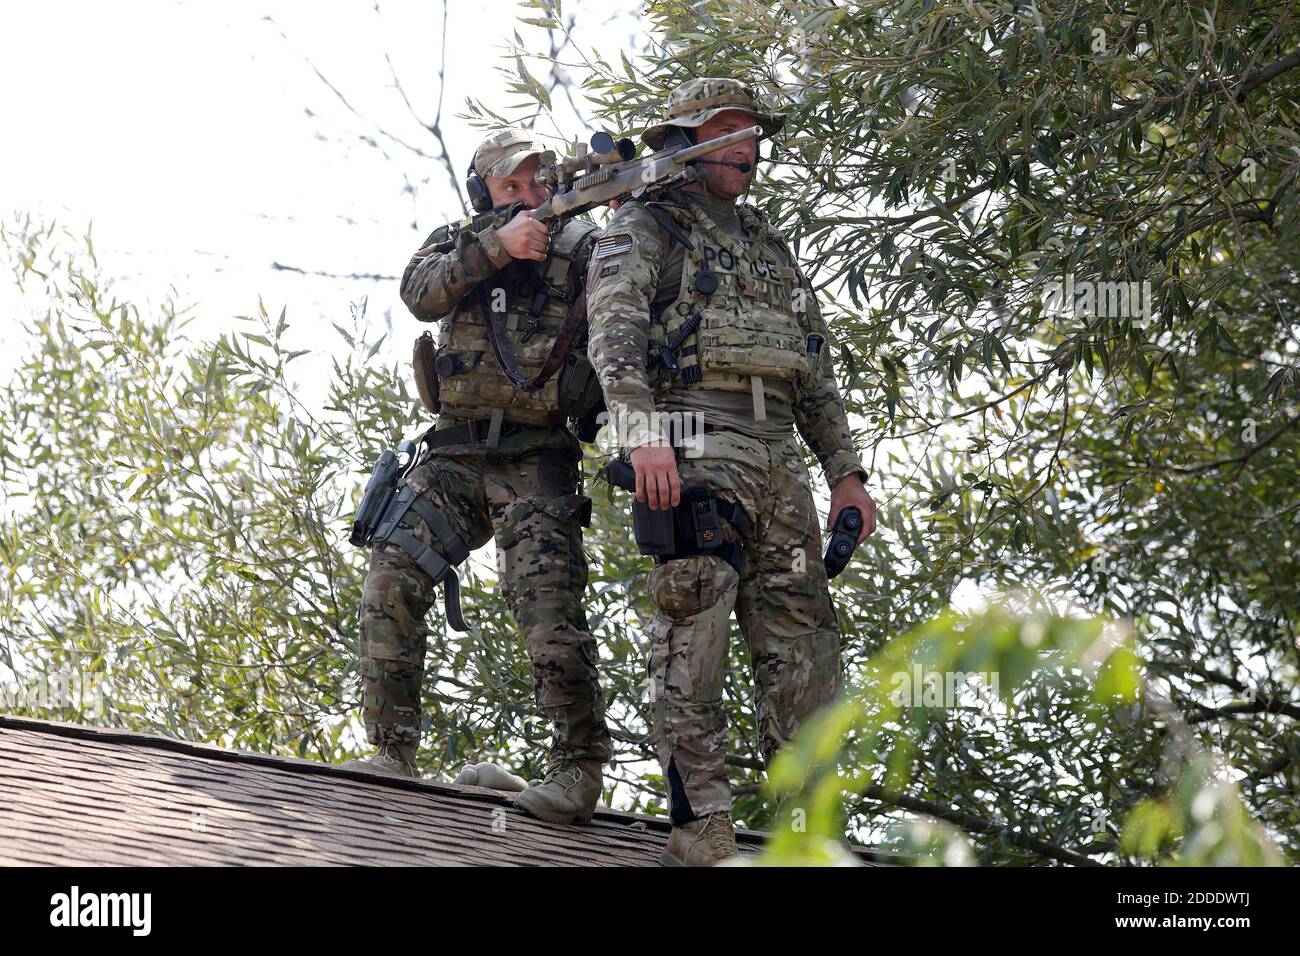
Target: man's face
{"points": [[518, 186], [723, 181]]}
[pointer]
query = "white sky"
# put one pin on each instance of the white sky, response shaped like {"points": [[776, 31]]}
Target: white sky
{"points": [[180, 129]]}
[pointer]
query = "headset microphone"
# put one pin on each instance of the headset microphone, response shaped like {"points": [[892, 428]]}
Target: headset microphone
{"points": [[743, 167]]}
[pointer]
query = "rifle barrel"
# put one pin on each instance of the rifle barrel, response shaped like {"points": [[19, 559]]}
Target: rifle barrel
{"points": [[719, 142]]}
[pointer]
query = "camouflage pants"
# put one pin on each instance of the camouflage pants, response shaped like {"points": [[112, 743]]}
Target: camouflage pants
{"points": [[530, 503], [783, 604]]}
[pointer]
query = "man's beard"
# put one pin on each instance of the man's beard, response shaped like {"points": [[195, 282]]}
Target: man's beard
{"points": [[711, 181]]}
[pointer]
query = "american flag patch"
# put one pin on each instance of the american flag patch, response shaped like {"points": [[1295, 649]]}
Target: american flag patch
{"points": [[612, 246]]}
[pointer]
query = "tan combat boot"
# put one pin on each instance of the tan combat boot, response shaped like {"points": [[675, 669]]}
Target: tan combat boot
{"points": [[391, 760], [567, 794], [701, 842]]}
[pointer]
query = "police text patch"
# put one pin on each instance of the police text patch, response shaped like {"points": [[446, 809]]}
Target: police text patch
{"points": [[612, 246]]}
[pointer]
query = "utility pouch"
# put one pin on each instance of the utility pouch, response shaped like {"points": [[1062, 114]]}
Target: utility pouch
{"points": [[705, 522], [426, 376], [587, 427], [579, 387], [814, 344]]}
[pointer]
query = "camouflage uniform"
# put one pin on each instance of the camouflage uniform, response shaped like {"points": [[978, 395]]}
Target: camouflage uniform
{"points": [[748, 373], [524, 489]]}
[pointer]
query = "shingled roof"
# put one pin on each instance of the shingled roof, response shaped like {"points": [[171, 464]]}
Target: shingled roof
{"points": [[82, 795]]}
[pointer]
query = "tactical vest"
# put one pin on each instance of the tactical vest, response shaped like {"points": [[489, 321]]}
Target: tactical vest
{"points": [[750, 336], [471, 383]]}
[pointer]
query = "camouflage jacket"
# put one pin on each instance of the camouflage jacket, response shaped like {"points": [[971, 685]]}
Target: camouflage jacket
{"points": [[467, 256], [624, 278], [452, 261]]}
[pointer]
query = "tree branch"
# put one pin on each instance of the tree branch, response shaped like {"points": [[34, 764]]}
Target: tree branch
{"points": [[1266, 73], [974, 824]]}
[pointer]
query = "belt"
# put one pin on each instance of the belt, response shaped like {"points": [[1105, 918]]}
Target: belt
{"points": [[677, 434], [472, 432]]}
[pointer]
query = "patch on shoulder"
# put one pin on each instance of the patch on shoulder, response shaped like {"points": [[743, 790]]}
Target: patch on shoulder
{"points": [[608, 271], [612, 246]]}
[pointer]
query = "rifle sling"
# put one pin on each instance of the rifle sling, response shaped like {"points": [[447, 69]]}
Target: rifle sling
{"points": [[669, 225], [571, 332]]}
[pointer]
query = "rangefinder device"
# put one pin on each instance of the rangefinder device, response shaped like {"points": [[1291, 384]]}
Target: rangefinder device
{"points": [[844, 540]]}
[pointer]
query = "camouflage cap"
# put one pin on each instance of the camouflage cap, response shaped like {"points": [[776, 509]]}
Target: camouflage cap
{"points": [[694, 102], [502, 152]]}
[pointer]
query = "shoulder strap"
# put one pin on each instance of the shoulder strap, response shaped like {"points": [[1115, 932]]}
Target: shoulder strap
{"points": [[669, 225], [571, 332]]}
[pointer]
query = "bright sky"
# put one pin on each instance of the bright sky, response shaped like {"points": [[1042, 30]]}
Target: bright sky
{"points": [[181, 129]]}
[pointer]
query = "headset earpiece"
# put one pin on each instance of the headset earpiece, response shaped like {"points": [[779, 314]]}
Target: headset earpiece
{"points": [[480, 199]]}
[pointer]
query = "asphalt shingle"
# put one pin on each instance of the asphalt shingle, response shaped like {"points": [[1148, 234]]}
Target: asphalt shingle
{"points": [[82, 795]]}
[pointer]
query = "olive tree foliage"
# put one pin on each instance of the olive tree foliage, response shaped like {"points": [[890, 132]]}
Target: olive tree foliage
{"points": [[865, 745], [170, 521], [1057, 244]]}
